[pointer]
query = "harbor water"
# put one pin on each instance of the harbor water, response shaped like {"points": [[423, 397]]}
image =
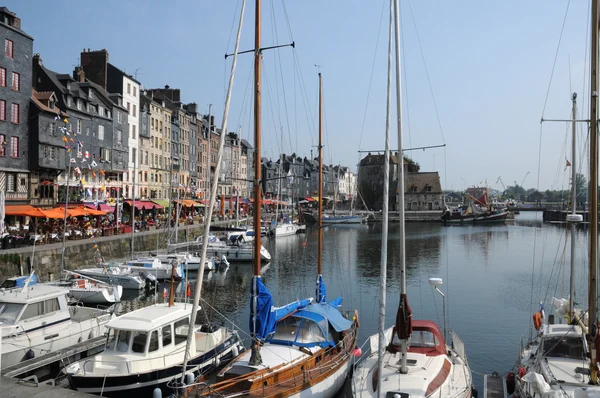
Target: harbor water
{"points": [[494, 278]]}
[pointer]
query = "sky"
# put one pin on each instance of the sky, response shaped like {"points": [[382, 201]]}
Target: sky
{"points": [[478, 76]]}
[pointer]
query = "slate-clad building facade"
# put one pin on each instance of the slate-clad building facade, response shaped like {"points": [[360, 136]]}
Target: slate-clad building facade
{"points": [[15, 96]]}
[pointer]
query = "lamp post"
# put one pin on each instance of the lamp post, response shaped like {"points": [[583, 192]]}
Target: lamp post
{"points": [[436, 282]]}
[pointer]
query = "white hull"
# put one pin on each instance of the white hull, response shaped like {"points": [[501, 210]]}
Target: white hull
{"points": [[95, 295], [127, 281], [194, 265], [343, 220], [242, 253], [285, 230]]}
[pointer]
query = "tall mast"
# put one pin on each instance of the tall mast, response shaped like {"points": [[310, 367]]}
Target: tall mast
{"points": [[320, 219], [573, 219], [133, 208], [385, 214], [255, 358], [279, 181], [593, 193], [400, 188], [209, 150]]}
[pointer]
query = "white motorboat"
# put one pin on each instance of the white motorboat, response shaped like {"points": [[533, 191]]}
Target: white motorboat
{"points": [[36, 320], [154, 266], [90, 292], [115, 275], [188, 261], [240, 236], [145, 350], [285, 229], [237, 252], [343, 219]]}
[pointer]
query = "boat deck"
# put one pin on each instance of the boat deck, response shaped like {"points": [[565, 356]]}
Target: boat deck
{"points": [[31, 389], [494, 386]]}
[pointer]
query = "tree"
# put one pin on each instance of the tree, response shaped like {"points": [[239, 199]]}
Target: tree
{"points": [[581, 186], [413, 167]]}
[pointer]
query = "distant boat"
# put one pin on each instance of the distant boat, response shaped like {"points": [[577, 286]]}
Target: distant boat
{"points": [[114, 274], [343, 219], [477, 210]]}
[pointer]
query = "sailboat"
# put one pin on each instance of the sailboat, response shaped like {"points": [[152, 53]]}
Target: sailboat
{"points": [[341, 218], [412, 358], [561, 359], [304, 348]]}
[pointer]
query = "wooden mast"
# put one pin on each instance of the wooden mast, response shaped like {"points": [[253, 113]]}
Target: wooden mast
{"points": [[320, 219], [255, 356], [593, 194]]}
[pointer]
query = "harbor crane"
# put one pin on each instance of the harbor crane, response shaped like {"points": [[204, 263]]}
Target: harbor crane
{"points": [[501, 182], [524, 178]]}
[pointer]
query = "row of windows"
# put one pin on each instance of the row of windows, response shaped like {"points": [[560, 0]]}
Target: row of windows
{"points": [[9, 48], [13, 148], [15, 112], [16, 79], [129, 87]]}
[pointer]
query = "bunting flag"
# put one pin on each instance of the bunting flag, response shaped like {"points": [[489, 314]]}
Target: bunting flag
{"points": [[94, 164], [76, 170], [83, 182], [568, 163], [101, 171], [56, 117], [66, 120], [72, 140], [67, 133], [93, 174], [72, 160], [86, 154], [64, 138]]}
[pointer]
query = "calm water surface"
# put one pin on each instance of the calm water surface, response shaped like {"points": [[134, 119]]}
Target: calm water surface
{"points": [[494, 278]]}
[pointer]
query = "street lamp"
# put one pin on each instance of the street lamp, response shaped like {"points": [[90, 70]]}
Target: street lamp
{"points": [[436, 282]]}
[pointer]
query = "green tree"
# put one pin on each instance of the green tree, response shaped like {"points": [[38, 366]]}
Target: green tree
{"points": [[413, 167]]}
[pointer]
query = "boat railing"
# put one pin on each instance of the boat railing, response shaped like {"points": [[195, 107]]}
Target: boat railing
{"points": [[459, 346], [94, 365]]}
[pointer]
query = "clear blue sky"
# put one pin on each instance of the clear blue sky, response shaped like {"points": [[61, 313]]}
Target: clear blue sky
{"points": [[489, 64]]}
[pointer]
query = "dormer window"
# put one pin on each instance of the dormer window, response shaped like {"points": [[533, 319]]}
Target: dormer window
{"points": [[68, 85], [413, 189], [91, 94], [428, 188], [100, 110], [69, 103], [51, 104], [79, 104]]}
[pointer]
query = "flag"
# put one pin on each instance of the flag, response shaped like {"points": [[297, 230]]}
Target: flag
{"points": [[72, 160], [290, 178], [94, 164], [72, 140], [66, 120], [86, 154], [101, 171], [568, 163], [77, 170], [64, 138], [56, 117], [93, 174]]}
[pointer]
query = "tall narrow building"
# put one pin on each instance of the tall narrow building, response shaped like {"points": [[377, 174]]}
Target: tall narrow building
{"points": [[15, 97]]}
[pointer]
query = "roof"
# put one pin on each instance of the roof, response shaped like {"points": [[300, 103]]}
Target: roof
{"points": [[41, 98], [422, 181], [246, 144], [378, 159], [124, 74], [151, 317], [33, 293]]}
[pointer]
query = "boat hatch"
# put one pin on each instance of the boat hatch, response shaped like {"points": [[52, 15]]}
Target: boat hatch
{"points": [[571, 347], [393, 394]]}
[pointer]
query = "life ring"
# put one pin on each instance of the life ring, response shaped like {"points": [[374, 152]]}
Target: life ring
{"points": [[537, 320]]}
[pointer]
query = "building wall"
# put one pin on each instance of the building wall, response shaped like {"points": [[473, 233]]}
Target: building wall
{"points": [[423, 201], [131, 101], [15, 168]]}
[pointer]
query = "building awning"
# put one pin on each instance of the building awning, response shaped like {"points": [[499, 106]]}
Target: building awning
{"points": [[163, 203], [189, 203], [108, 208], [23, 210], [144, 204], [90, 206]]}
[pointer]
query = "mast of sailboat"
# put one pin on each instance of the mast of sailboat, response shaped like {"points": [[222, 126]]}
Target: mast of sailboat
{"points": [[593, 194], [213, 196], [320, 219], [255, 358], [573, 218], [279, 180], [400, 191], [64, 237], [133, 209], [385, 214], [209, 150]]}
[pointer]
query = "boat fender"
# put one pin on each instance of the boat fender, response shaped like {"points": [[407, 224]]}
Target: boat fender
{"points": [[522, 372], [189, 378], [217, 362], [29, 354], [474, 393], [355, 318], [92, 334], [157, 393], [79, 339], [537, 320], [510, 383], [235, 351], [357, 352]]}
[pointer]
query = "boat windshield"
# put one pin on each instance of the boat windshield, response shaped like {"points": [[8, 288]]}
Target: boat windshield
{"points": [[419, 338], [118, 340], [9, 312], [571, 347]]}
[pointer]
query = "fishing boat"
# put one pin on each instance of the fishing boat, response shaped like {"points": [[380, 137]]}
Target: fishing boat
{"points": [[284, 228], [477, 210], [188, 261], [145, 350], [560, 360], [412, 358], [304, 348], [37, 320]]}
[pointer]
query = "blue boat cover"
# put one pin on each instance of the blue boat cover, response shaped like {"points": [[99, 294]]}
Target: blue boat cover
{"points": [[264, 319], [321, 290], [337, 302], [329, 312], [20, 281]]}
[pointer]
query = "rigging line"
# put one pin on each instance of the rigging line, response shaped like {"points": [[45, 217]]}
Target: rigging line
{"points": [[245, 106], [305, 101], [362, 127], [282, 83], [270, 99], [535, 235], [585, 64], [235, 17], [437, 114], [555, 58], [274, 35], [405, 72]]}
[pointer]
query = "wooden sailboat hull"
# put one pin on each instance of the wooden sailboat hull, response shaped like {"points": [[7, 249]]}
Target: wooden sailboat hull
{"points": [[321, 374]]}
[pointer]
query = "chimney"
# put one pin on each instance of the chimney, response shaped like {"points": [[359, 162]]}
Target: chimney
{"points": [[212, 120], [95, 66], [167, 87], [37, 59], [79, 74]]}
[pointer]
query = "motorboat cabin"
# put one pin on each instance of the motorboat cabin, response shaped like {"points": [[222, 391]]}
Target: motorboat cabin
{"points": [[145, 349], [37, 320]]}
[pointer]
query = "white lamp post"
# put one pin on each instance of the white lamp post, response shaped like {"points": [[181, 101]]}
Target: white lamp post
{"points": [[436, 282]]}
